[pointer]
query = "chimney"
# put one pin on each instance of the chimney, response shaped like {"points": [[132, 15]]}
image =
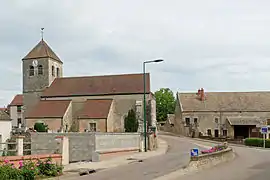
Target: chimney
{"points": [[202, 94]]}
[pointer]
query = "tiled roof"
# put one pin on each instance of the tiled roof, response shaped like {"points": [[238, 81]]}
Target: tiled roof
{"points": [[98, 85], [17, 100], [226, 101], [42, 50], [96, 109], [4, 116], [3, 109], [49, 109], [242, 120]]}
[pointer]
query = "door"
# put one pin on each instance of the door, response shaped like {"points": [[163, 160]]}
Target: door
{"points": [[216, 132]]}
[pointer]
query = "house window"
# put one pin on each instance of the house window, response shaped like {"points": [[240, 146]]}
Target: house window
{"points": [[57, 72], [31, 71], [40, 70], [187, 121], [93, 127], [195, 120], [53, 71], [225, 132], [216, 120], [209, 133], [19, 109], [19, 121]]}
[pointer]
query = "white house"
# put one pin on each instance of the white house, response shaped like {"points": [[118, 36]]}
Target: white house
{"points": [[5, 127], [15, 110]]}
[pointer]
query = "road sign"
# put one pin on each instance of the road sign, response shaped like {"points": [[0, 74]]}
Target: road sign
{"points": [[264, 130], [194, 152]]}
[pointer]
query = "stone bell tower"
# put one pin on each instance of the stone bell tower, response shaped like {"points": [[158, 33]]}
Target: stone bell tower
{"points": [[40, 67]]}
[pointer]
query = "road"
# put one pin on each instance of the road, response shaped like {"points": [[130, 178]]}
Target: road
{"points": [[250, 164], [176, 157]]}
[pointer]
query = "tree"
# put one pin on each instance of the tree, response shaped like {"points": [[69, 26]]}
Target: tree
{"points": [[40, 127], [131, 122], [165, 103]]}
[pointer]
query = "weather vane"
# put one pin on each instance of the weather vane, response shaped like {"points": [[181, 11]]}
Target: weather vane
{"points": [[42, 32]]}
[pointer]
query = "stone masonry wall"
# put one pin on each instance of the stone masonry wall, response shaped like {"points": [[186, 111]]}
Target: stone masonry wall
{"points": [[82, 145]]}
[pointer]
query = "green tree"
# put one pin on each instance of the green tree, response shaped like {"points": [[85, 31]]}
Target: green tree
{"points": [[40, 127], [165, 103], [131, 122]]}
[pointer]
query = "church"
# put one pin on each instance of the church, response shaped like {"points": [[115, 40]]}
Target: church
{"points": [[79, 104]]}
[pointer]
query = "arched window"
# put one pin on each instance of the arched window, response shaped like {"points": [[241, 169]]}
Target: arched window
{"points": [[40, 70], [57, 72], [53, 71], [31, 71]]}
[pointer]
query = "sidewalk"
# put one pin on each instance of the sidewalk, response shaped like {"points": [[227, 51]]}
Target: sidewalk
{"points": [[119, 160]]}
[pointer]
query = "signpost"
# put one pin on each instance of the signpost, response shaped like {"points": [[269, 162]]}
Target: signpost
{"points": [[264, 131], [194, 152]]}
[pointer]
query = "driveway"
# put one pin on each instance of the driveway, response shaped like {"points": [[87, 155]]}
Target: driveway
{"points": [[176, 157]]}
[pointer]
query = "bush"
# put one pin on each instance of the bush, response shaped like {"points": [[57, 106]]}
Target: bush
{"points": [[257, 142], [29, 170], [131, 122], [40, 127]]}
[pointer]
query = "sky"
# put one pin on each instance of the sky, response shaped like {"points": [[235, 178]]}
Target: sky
{"points": [[218, 45]]}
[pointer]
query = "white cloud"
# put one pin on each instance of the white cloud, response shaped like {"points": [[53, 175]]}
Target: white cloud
{"points": [[216, 44]]}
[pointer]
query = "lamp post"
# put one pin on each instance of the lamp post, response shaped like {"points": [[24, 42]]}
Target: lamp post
{"points": [[144, 99]]}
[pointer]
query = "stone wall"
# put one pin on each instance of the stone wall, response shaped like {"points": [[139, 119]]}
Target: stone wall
{"points": [[54, 124], [109, 142], [212, 159], [83, 146]]}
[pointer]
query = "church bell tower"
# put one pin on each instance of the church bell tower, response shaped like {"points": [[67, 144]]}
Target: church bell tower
{"points": [[40, 67]]}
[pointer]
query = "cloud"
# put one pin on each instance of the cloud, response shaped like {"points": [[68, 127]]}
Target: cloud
{"points": [[215, 44]]}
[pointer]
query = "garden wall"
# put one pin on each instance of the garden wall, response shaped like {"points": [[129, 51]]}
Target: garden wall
{"points": [[208, 160], [86, 146]]}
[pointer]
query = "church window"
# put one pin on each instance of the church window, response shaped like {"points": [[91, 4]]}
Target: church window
{"points": [[53, 71], [31, 71], [57, 72], [40, 70]]}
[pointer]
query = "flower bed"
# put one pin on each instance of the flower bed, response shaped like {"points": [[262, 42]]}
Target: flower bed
{"points": [[214, 149], [29, 170]]}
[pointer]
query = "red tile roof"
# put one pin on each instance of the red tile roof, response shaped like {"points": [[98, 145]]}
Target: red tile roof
{"points": [[96, 109], [17, 100], [98, 85], [49, 109], [3, 109], [42, 50]]}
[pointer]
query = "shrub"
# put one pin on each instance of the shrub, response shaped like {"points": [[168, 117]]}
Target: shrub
{"points": [[131, 123], [40, 127], [29, 170], [257, 142], [47, 168]]}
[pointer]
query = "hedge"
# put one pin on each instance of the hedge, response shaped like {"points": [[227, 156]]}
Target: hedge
{"points": [[258, 142]]}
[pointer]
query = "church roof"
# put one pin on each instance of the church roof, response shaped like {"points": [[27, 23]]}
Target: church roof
{"points": [[17, 100], [98, 85], [49, 109], [42, 50], [95, 109]]}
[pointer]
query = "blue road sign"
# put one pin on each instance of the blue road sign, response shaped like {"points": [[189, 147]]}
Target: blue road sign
{"points": [[194, 152], [264, 130]]}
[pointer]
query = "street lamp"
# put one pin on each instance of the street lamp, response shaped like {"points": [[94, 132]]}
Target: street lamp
{"points": [[144, 99]]}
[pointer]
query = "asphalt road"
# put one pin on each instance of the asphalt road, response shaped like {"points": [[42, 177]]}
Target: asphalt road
{"points": [[176, 157], [250, 164]]}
